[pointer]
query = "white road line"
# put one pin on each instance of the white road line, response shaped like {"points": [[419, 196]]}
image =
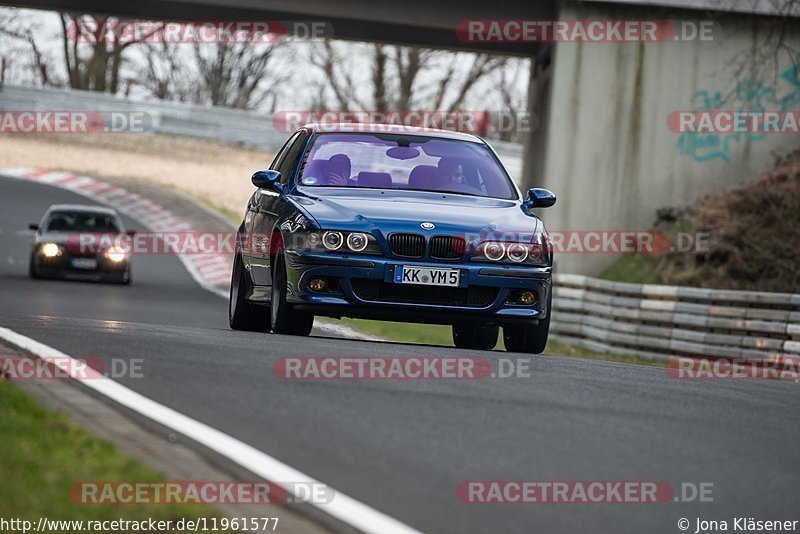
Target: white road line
{"points": [[342, 507]]}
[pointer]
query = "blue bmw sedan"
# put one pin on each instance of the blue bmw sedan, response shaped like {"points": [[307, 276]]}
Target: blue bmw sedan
{"points": [[396, 224]]}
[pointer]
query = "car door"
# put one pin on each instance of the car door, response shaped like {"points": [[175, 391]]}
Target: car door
{"points": [[267, 207]]}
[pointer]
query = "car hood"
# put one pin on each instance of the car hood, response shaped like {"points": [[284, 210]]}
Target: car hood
{"points": [[397, 211], [73, 238], [60, 238]]}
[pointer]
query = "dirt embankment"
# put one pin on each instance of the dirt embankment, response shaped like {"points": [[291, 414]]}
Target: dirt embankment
{"points": [[755, 233], [215, 172]]}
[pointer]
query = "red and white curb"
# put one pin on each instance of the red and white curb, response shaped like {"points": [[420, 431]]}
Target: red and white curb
{"points": [[211, 271]]}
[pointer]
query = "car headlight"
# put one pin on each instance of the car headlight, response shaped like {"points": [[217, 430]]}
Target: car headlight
{"points": [[334, 240], [50, 250], [537, 253], [357, 241], [115, 254], [494, 251], [517, 252]]}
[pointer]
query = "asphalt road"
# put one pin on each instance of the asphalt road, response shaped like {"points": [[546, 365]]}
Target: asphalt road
{"points": [[403, 447]]}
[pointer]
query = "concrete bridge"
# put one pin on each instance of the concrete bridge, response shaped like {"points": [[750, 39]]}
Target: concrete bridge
{"points": [[602, 144]]}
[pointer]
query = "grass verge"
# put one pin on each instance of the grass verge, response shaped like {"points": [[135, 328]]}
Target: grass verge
{"points": [[42, 454], [631, 268]]}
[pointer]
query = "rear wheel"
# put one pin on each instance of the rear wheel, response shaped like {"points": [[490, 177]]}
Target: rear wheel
{"points": [[242, 315], [475, 337], [285, 320], [529, 339]]}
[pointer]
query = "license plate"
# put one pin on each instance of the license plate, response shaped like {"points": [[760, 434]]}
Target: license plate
{"points": [[84, 263], [426, 276]]}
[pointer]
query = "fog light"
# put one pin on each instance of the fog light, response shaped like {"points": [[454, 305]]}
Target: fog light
{"points": [[317, 284], [527, 297], [50, 250]]}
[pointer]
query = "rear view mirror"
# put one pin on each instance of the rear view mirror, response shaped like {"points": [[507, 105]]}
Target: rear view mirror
{"points": [[267, 180], [33, 226], [540, 198], [402, 152]]}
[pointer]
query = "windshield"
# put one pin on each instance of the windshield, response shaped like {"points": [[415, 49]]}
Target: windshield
{"points": [[71, 221], [396, 161]]}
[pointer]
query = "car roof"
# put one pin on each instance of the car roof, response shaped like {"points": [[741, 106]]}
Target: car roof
{"points": [[372, 128], [82, 207]]}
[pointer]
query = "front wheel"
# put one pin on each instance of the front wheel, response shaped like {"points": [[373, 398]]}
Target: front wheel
{"points": [[529, 339], [285, 320], [125, 277], [241, 314], [475, 337], [33, 270]]}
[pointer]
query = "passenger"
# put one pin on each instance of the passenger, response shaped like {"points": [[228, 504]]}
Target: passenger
{"points": [[450, 171]]}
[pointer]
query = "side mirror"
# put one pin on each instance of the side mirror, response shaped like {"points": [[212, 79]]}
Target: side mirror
{"points": [[267, 180], [540, 198], [33, 226]]}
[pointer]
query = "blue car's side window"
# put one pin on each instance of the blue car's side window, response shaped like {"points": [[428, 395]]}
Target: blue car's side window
{"points": [[281, 156], [287, 166]]}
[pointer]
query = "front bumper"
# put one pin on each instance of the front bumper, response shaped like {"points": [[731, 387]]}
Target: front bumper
{"points": [[61, 266], [363, 287]]}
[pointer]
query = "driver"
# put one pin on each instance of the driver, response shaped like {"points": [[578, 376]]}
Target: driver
{"points": [[338, 170]]}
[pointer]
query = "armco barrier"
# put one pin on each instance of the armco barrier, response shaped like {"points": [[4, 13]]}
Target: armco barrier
{"points": [[248, 127], [659, 321]]}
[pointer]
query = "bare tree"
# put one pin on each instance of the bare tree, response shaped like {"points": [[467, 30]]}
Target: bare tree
{"points": [[775, 45], [239, 75], [338, 78], [105, 39], [401, 78], [26, 53], [165, 74]]}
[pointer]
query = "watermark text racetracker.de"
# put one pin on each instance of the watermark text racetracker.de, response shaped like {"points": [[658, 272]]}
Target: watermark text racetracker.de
{"points": [[582, 492], [465, 121], [721, 121], [585, 30], [392, 368], [727, 368], [199, 492], [206, 32], [75, 122], [25, 367]]}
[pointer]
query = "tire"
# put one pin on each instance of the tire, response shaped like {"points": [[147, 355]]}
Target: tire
{"points": [[475, 337], [285, 320], [33, 271], [529, 339], [242, 315], [125, 278]]}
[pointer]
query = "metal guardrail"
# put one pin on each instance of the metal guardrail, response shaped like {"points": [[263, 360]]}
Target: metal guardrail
{"points": [[659, 321], [250, 128]]}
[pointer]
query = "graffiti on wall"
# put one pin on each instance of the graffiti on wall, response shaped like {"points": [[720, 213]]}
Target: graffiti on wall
{"points": [[750, 95]]}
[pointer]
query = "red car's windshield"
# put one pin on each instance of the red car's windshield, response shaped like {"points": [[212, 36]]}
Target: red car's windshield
{"points": [[396, 161]]}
